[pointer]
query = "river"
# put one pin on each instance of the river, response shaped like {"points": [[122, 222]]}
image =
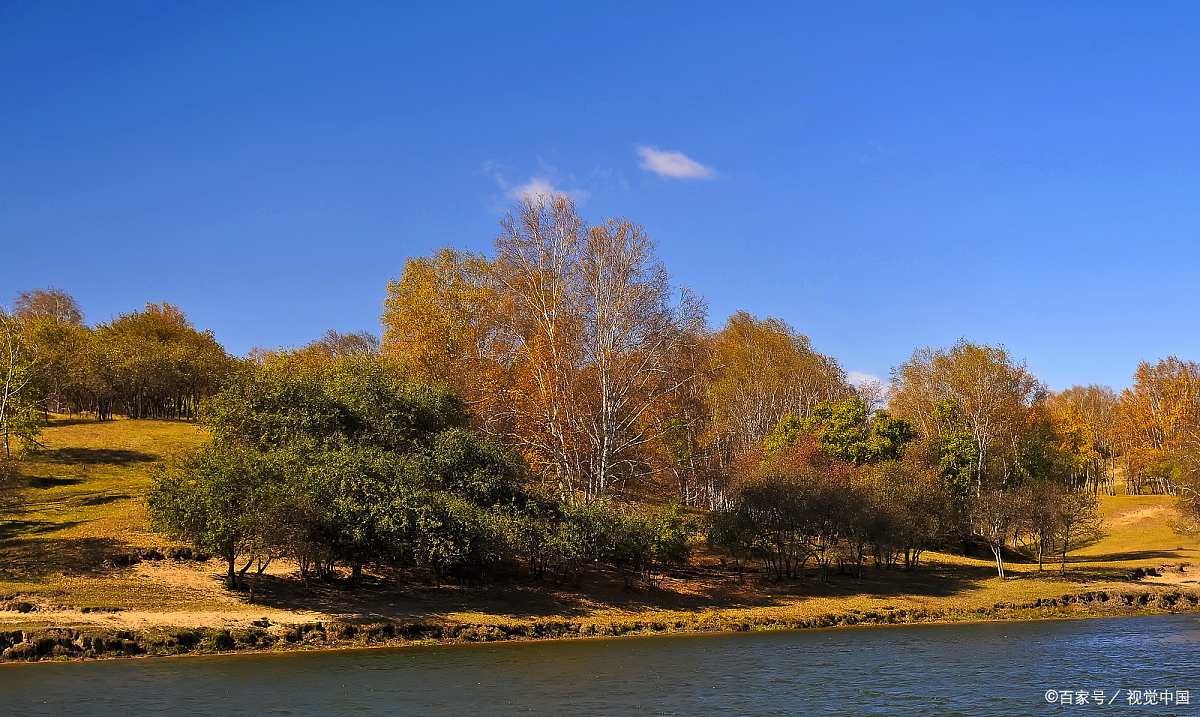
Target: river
{"points": [[1002, 668]]}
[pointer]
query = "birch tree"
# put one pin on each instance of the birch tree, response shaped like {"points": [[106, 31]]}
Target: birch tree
{"points": [[764, 370], [19, 416], [589, 330], [1159, 415], [991, 393]]}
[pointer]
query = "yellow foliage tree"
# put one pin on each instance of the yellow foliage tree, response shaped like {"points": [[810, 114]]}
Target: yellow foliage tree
{"points": [[438, 317], [990, 390], [569, 342], [1084, 420], [1160, 414], [764, 370]]}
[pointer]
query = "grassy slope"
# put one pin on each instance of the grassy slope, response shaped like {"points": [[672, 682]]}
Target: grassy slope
{"points": [[82, 507]]}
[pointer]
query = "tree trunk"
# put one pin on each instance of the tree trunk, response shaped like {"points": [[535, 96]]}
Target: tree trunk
{"points": [[231, 575], [997, 550]]}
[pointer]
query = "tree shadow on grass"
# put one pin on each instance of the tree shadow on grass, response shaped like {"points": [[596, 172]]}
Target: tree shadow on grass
{"points": [[511, 593], [872, 581], [1083, 573], [59, 421], [16, 529], [102, 499], [374, 597], [35, 558], [1126, 556], [96, 456], [44, 482]]}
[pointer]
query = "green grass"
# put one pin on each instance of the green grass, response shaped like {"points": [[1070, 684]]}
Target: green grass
{"points": [[82, 505]]}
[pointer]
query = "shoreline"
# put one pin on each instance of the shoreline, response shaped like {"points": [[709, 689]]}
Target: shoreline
{"points": [[85, 643]]}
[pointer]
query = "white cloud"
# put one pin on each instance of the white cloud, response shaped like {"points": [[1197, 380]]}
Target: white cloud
{"points": [[541, 187], [534, 187], [676, 165], [858, 377]]}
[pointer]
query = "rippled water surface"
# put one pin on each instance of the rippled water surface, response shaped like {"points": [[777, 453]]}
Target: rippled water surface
{"points": [[977, 669]]}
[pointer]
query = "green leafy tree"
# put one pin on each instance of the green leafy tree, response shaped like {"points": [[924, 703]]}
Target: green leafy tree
{"points": [[671, 530], [19, 364], [731, 532], [843, 430], [220, 499], [957, 451], [369, 469], [890, 436]]}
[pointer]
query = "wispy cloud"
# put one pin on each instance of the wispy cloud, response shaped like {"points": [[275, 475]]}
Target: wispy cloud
{"points": [[676, 165], [858, 377], [539, 187]]}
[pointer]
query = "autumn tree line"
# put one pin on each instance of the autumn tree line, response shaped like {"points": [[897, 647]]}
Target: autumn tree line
{"points": [[145, 364], [561, 403]]}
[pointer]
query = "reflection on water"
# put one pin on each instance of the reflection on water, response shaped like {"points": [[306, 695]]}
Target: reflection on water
{"points": [[978, 669]]}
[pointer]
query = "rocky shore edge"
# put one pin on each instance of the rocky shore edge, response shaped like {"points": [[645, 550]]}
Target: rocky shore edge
{"points": [[86, 643]]}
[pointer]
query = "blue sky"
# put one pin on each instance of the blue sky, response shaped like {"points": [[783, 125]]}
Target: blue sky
{"points": [[883, 176]]}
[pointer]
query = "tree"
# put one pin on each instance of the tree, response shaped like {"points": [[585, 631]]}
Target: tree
{"points": [[763, 371], [19, 363], [908, 509], [438, 321], [732, 532], [570, 343], [1183, 471], [335, 345], [155, 363], [796, 505], [775, 511], [1078, 521], [997, 514], [219, 499], [1085, 419], [1159, 414], [686, 455], [991, 395], [590, 328], [1043, 454], [956, 449], [844, 431], [671, 531], [1041, 499], [342, 462], [48, 304]]}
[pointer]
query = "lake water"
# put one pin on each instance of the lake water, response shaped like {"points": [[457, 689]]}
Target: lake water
{"points": [[969, 669]]}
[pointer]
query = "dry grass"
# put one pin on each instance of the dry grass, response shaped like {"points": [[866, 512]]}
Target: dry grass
{"points": [[82, 506]]}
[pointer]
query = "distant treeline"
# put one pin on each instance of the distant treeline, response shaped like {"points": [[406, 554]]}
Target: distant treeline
{"points": [[144, 364]]}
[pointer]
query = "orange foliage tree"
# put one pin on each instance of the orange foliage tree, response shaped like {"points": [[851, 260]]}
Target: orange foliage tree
{"points": [[1159, 415], [991, 392], [1084, 420], [568, 342]]}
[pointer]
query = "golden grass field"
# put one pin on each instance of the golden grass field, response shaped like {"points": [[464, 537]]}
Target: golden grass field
{"points": [[82, 507]]}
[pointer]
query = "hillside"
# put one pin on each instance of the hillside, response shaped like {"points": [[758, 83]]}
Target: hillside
{"points": [[70, 545]]}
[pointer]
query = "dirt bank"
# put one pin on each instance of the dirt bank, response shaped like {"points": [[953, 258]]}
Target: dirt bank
{"points": [[40, 642]]}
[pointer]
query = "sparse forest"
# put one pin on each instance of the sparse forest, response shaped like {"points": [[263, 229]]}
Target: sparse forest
{"points": [[560, 403]]}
